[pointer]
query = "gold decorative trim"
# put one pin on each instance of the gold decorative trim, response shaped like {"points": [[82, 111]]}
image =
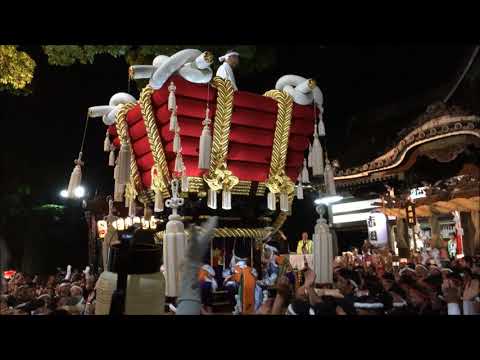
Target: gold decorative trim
{"points": [[434, 129], [258, 233], [154, 139], [219, 177], [122, 130], [277, 180]]}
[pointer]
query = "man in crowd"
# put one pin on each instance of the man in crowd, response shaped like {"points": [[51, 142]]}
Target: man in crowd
{"points": [[305, 245]]}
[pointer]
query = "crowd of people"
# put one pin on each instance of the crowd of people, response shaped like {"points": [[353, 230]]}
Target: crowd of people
{"points": [[365, 287], [367, 283], [66, 293]]}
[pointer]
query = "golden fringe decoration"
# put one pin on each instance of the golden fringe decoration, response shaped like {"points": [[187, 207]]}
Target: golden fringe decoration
{"points": [[259, 233], [156, 145], [277, 181], [122, 129], [219, 176]]}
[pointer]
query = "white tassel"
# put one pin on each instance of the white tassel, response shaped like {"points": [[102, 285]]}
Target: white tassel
{"points": [[75, 177], [124, 158], [111, 158], [305, 177], [106, 143], [317, 155], [284, 202], [309, 162], [271, 201], [172, 102], [179, 167], [329, 179], [205, 143], [173, 121], [226, 200], [158, 205], [132, 208], [321, 127], [177, 146], [299, 191], [184, 182], [212, 199]]}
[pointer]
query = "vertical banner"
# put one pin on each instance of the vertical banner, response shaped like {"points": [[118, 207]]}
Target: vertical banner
{"points": [[377, 229]]}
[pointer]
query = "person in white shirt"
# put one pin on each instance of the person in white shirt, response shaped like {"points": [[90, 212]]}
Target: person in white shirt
{"points": [[230, 61]]}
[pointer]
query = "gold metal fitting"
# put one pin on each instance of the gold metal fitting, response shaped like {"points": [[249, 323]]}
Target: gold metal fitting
{"points": [[312, 83], [208, 56]]}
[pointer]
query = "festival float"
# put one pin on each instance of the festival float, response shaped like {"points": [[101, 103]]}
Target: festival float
{"points": [[192, 147]]}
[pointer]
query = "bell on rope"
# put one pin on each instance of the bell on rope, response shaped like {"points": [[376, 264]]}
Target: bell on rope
{"points": [[205, 143], [172, 103], [271, 201], [305, 176], [317, 155], [106, 143], [212, 199], [75, 177], [111, 157]]}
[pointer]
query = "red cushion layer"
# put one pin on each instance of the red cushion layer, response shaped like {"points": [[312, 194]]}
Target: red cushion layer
{"points": [[186, 108], [145, 162], [112, 130], [248, 100], [134, 115], [185, 89], [137, 130], [141, 146]]}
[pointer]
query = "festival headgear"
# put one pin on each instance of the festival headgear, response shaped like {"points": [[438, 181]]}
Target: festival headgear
{"points": [[420, 266], [406, 270], [227, 55], [368, 303]]}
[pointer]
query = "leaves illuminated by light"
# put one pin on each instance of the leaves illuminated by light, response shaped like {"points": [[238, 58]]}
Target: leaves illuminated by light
{"points": [[16, 68]]}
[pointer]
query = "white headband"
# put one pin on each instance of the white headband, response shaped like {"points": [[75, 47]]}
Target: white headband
{"points": [[360, 305], [226, 56]]}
